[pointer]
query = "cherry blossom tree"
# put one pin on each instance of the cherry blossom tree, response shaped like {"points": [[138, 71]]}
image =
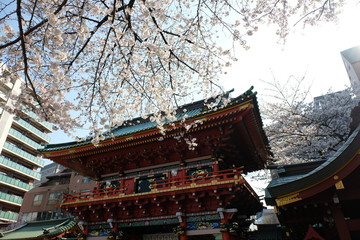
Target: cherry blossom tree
{"points": [[299, 130], [104, 61]]}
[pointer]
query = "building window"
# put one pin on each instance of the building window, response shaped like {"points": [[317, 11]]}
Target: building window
{"points": [[85, 193], [85, 180], [37, 200], [54, 198], [28, 217]]}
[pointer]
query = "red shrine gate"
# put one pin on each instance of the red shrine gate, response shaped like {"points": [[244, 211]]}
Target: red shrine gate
{"points": [[151, 189]]}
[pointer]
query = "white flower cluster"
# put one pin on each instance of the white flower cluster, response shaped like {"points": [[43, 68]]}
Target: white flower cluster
{"points": [[100, 63], [301, 131], [191, 143]]}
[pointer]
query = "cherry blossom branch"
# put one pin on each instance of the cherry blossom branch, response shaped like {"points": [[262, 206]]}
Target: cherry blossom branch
{"points": [[25, 59], [32, 29], [321, 9]]}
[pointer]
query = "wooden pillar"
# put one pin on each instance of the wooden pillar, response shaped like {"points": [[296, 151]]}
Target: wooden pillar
{"points": [[225, 235], [340, 223], [183, 224], [182, 219], [216, 166], [225, 216], [122, 185], [182, 176], [86, 230], [115, 227]]}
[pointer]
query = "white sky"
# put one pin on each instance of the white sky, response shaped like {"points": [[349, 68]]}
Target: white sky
{"points": [[314, 50]]}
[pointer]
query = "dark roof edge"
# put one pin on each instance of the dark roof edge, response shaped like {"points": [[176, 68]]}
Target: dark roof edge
{"points": [[274, 166], [332, 165]]}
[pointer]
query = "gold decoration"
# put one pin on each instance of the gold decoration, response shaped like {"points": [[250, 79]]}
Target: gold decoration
{"points": [[288, 199], [179, 230], [339, 185]]}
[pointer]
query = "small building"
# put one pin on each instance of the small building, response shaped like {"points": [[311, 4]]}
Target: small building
{"points": [[48, 170], [320, 200], [41, 216], [153, 186], [42, 202]]}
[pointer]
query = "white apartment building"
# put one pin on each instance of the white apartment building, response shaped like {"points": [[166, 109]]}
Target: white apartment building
{"points": [[20, 137], [48, 170], [351, 58]]}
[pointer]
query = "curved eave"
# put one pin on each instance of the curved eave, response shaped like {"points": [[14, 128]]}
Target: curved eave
{"points": [[148, 133], [54, 231], [323, 177]]}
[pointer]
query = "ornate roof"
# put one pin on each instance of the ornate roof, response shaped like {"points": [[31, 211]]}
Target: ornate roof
{"points": [[42, 230], [139, 140], [136, 125], [288, 189]]}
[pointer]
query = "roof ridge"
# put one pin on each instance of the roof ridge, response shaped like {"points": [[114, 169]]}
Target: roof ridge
{"points": [[197, 109]]}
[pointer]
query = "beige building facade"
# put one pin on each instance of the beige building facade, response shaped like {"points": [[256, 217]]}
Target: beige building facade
{"points": [[42, 202]]}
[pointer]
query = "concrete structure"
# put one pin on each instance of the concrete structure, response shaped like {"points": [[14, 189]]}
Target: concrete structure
{"points": [[20, 137], [351, 58], [42, 202], [48, 170]]}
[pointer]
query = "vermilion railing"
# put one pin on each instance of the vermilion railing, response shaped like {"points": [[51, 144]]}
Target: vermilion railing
{"points": [[194, 180], [197, 179], [97, 193]]}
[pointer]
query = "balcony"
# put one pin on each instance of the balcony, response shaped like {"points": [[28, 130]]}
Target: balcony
{"points": [[15, 183], [33, 129], [10, 165], [8, 85], [3, 96], [11, 199], [23, 155], [36, 117], [20, 137], [168, 186], [8, 216]]}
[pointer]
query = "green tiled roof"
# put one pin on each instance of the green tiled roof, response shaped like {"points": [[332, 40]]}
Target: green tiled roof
{"points": [[39, 229], [148, 125], [136, 125]]}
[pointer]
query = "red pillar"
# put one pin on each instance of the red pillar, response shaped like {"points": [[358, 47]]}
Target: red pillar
{"points": [[86, 230], [216, 166], [182, 220], [225, 216], [340, 223], [182, 176], [225, 235], [115, 227], [183, 224], [122, 186]]}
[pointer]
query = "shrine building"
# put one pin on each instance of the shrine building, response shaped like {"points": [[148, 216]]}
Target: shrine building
{"points": [[151, 186], [321, 199]]}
